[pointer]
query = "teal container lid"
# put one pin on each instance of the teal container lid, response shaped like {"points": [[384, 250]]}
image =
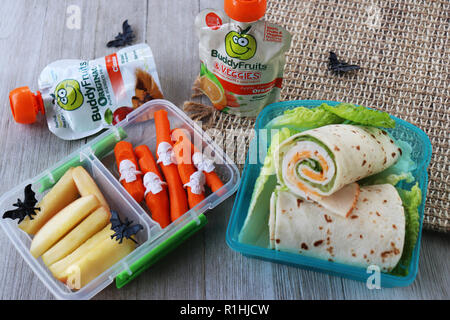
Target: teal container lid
{"points": [[403, 130]]}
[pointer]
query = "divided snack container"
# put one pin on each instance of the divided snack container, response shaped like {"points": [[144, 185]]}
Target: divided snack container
{"points": [[98, 159], [421, 155]]}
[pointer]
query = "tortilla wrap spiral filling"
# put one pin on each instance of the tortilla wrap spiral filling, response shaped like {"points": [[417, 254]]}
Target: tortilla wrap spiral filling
{"points": [[319, 162], [307, 162]]}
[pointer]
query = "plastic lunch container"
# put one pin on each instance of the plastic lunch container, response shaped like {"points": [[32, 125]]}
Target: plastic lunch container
{"points": [[98, 159], [403, 130]]}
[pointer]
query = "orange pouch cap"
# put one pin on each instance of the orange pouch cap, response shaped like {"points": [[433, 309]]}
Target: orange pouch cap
{"points": [[25, 105], [245, 10]]}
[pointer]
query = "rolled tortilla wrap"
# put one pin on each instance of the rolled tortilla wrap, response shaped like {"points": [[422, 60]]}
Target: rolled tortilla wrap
{"points": [[373, 234], [317, 163], [272, 216]]}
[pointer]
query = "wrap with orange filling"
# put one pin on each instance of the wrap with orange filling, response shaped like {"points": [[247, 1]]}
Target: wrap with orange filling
{"points": [[323, 164]]}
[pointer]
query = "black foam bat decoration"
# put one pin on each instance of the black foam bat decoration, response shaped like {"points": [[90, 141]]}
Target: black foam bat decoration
{"points": [[124, 38], [245, 31], [339, 66], [25, 208], [123, 229]]}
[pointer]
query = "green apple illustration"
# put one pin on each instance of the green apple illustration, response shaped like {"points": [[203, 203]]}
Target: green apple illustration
{"points": [[68, 95], [240, 45]]}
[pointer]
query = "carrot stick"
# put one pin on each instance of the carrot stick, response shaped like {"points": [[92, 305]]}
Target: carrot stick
{"points": [[212, 179], [126, 163], [182, 135], [146, 161], [157, 203], [177, 194], [186, 170]]}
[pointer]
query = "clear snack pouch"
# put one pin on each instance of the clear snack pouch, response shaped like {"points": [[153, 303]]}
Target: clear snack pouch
{"points": [[242, 57], [80, 97]]}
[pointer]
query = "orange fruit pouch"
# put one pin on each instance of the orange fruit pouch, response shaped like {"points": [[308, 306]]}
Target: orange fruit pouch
{"points": [[242, 57]]}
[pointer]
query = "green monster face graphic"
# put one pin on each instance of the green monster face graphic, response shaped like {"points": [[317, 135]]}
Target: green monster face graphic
{"points": [[68, 95], [240, 45]]}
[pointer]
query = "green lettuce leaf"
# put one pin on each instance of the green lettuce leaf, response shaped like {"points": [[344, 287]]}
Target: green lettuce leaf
{"points": [[361, 115], [411, 201], [255, 226], [268, 168], [302, 118], [276, 140]]}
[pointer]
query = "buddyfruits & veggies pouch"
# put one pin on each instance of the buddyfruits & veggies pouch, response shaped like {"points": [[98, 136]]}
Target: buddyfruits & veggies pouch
{"points": [[242, 57]]}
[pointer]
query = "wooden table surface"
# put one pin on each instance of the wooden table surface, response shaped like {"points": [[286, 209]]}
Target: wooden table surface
{"points": [[34, 33]]}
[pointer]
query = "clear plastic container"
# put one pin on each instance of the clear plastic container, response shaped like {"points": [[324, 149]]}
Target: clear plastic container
{"points": [[403, 130], [98, 159]]}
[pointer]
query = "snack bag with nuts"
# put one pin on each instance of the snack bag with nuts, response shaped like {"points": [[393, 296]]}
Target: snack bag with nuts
{"points": [[80, 97]]}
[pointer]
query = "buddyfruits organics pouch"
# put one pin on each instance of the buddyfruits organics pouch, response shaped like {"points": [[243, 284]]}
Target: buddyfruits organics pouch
{"points": [[80, 98], [242, 63]]}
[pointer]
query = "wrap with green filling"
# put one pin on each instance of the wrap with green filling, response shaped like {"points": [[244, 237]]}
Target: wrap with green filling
{"points": [[322, 164]]}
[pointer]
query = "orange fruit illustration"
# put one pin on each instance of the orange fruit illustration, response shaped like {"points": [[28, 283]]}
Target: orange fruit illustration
{"points": [[214, 92]]}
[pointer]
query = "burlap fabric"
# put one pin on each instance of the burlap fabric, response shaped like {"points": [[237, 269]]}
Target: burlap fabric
{"points": [[404, 52]]}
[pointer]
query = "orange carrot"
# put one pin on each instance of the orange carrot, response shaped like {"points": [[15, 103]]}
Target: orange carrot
{"points": [[126, 163], [158, 203], [186, 169], [177, 194], [212, 179]]}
